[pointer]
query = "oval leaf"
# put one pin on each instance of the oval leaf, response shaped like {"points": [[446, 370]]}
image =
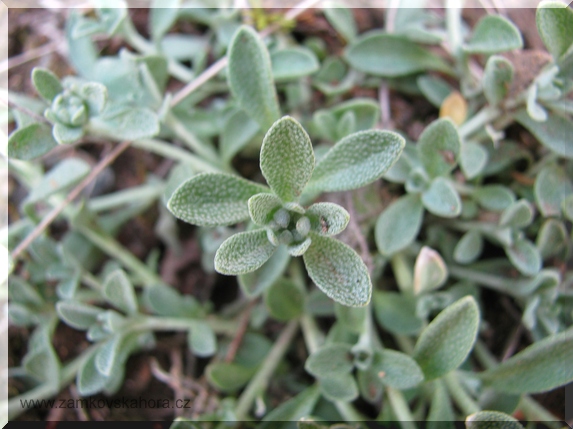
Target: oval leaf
{"points": [[524, 256], [327, 218], [292, 63], [262, 207], [396, 312], [30, 142], [430, 271], [284, 300], [552, 186], [330, 360], [442, 199], [469, 247], [439, 147], [239, 130], [77, 314], [473, 159], [497, 78], [494, 197], [202, 340], [491, 420], [517, 215], [119, 292], [555, 132], [254, 283], [46, 83], [554, 22], [243, 252], [493, 34], [342, 387], [397, 370]]}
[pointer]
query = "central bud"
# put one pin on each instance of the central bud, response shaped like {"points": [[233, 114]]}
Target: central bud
{"points": [[288, 227]]}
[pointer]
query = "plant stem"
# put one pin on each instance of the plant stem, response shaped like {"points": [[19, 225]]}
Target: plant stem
{"points": [[462, 399], [479, 120], [491, 281], [150, 191], [403, 273], [202, 149], [260, 381], [226, 327], [400, 408]]}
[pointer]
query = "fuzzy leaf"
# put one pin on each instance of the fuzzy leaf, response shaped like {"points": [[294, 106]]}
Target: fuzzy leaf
{"points": [[552, 238], [299, 249], [397, 370], [473, 159], [497, 78], [65, 174], [46, 83], [517, 215], [292, 63], [293, 409], [228, 377], [108, 354], [439, 147], [95, 95], [338, 271], [329, 361], [243, 252], [357, 160], [262, 207], [442, 199], [254, 283], [491, 420], [284, 300], [202, 340], [554, 22], [540, 367], [396, 312], [130, 123], [119, 292], [398, 225], [342, 19], [434, 89], [163, 15], [524, 256], [238, 131], [250, 77], [446, 342], [494, 197], [555, 132], [430, 271], [89, 380], [365, 110], [67, 135], [390, 55], [494, 34], [552, 186], [327, 218], [78, 315], [212, 199], [469, 247], [287, 158], [341, 387], [31, 141]]}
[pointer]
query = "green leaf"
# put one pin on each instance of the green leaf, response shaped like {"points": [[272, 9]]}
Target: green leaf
{"points": [[357, 160], [554, 22], [434, 89], [439, 147], [284, 300], [254, 283], [494, 197], [250, 77], [442, 199], [202, 340], [342, 19], [166, 301], [330, 361], [65, 174], [397, 370], [493, 34], [552, 238], [517, 215], [497, 78], [446, 342], [228, 377], [89, 380], [77, 315], [129, 124], [473, 159], [293, 63], [338, 271], [262, 207], [365, 110], [163, 15], [238, 131], [555, 132], [243, 252], [212, 199], [469, 247], [119, 292], [491, 420], [109, 355], [95, 95], [552, 186], [67, 135], [294, 409], [396, 312], [540, 367], [287, 158], [31, 141], [524, 256], [327, 218], [46, 83], [341, 387], [390, 55], [430, 271], [398, 225]]}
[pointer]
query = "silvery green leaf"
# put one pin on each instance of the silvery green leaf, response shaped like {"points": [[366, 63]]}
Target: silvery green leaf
{"points": [[41, 360], [567, 207], [237, 132], [76, 314], [491, 399], [292, 63], [21, 291], [554, 22], [284, 300], [396, 369], [244, 252], [163, 15], [89, 380], [538, 368], [46, 83], [250, 77], [254, 283], [325, 122], [108, 354], [446, 342], [398, 225], [31, 141], [339, 387], [293, 409], [262, 207], [439, 147], [365, 110], [327, 218], [300, 248], [130, 123], [342, 19], [552, 238], [95, 95], [534, 109], [494, 34], [67, 135], [554, 133], [442, 199], [396, 312], [491, 420], [166, 301], [211, 199], [434, 89], [330, 360], [497, 78], [338, 271], [202, 340], [524, 256], [430, 271], [357, 160], [389, 55], [119, 292], [552, 186], [494, 197], [346, 125], [469, 247], [228, 377], [183, 47], [287, 158], [473, 159], [517, 215], [65, 174]]}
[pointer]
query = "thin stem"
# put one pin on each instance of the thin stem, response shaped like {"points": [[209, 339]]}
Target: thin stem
{"points": [[260, 381], [478, 121], [202, 149], [313, 337], [225, 327], [71, 196], [127, 196], [462, 399], [400, 408], [491, 281]]}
